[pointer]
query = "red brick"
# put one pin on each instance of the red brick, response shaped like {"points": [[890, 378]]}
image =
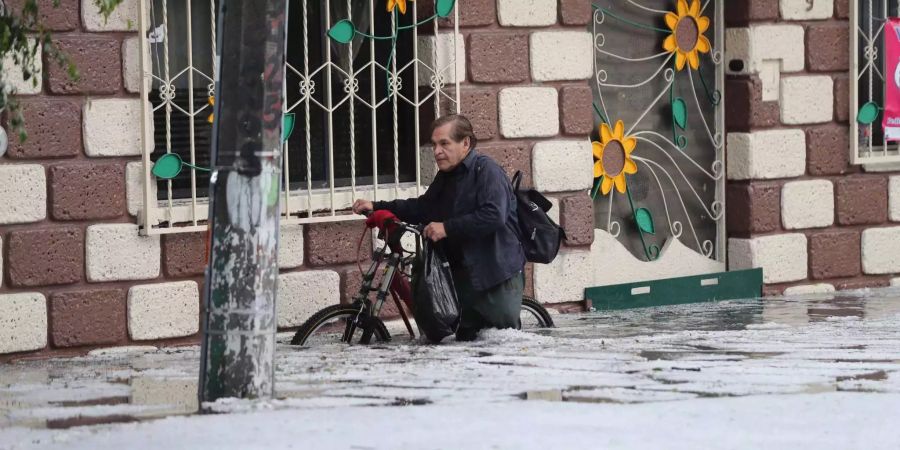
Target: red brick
{"points": [[577, 110], [46, 257], [744, 108], [575, 12], [826, 47], [861, 200], [335, 243], [184, 254], [90, 317], [752, 208], [862, 283], [834, 254], [773, 290], [577, 217], [498, 57], [842, 9], [480, 106], [841, 98], [87, 191], [827, 149], [511, 156], [53, 126], [568, 307], [742, 12], [473, 13], [99, 63], [61, 18]]}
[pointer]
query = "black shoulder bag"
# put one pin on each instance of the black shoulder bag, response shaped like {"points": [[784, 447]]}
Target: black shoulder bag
{"points": [[540, 235]]}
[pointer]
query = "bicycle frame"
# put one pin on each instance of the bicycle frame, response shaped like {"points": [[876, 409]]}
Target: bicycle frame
{"points": [[393, 281]]}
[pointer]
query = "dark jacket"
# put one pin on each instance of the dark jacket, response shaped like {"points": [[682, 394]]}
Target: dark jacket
{"points": [[483, 219]]}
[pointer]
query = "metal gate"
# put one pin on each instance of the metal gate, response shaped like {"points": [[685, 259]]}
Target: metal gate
{"points": [[659, 145]]}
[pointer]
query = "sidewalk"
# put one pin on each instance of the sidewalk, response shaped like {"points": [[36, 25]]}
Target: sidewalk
{"points": [[782, 373]]}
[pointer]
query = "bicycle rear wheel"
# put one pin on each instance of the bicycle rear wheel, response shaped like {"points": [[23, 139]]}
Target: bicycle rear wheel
{"points": [[339, 323], [534, 315]]}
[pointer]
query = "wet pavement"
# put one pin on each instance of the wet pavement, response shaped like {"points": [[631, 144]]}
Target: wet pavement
{"points": [[845, 342]]}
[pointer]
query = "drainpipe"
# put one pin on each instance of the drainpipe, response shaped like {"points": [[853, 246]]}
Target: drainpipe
{"points": [[239, 321]]}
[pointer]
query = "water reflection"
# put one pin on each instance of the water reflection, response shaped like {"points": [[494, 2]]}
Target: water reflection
{"points": [[124, 387], [731, 315]]}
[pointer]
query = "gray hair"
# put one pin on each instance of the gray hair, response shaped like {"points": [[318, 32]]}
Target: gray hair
{"points": [[462, 128]]}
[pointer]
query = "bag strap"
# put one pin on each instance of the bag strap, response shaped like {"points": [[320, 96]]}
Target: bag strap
{"points": [[517, 180], [428, 249]]}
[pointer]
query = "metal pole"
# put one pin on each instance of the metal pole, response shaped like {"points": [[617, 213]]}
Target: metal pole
{"points": [[239, 321]]}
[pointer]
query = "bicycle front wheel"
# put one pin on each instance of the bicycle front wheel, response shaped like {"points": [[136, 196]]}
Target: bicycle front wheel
{"points": [[534, 315], [340, 323]]}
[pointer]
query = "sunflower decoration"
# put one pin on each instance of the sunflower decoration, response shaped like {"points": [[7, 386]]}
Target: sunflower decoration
{"points": [[399, 4], [687, 39], [613, 157]]}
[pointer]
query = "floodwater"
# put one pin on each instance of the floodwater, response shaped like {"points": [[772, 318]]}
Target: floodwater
{"points": [[775, 346]]}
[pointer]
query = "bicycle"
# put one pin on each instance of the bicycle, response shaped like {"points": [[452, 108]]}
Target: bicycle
{"points": [[341, 323]]}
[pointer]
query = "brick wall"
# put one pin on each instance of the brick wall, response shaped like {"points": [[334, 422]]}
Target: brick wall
{"points": [[76, 274], [527, 92], [795, 206]]}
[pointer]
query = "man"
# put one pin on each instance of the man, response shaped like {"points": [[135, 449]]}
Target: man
{"points": [[470, 206]]}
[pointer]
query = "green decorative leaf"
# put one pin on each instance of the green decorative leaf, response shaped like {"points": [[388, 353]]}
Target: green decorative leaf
{"points": [[342, 31], [868, 113], [679, 112], [596, 189], [644, 220], [444, 7], [167, 167], [287, 126]]}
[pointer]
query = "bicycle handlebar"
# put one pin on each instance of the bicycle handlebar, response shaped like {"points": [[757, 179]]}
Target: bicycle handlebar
{"points": [[415, 229]]}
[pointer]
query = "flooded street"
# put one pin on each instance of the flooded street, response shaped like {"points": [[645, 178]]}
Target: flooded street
{"points": [[808, 364]]}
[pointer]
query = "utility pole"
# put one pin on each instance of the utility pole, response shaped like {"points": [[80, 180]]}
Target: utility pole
{"points": [[239, 322]]}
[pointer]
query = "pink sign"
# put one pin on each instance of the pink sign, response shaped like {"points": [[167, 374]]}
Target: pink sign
{"points": [[891, 118]]}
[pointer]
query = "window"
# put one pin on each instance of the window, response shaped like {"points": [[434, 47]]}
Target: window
{"points": [[350, 124], [362, 123], [868, 144], [178, 94]]}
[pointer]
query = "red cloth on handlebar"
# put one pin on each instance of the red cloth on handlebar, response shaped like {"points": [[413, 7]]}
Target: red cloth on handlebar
{"points": [[383, 219]]}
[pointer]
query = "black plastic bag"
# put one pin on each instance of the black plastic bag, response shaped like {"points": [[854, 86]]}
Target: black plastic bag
{"points": [[434, 295]]}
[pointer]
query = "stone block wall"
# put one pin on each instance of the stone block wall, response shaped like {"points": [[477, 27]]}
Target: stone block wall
{"points": [[528, 64], [795, 205], [76, 273]]}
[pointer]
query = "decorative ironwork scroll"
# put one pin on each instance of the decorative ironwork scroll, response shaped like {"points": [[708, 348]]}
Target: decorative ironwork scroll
{"points": [[659, 144]]}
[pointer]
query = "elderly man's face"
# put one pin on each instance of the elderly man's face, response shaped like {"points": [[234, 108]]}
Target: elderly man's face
{"points": [[447, 152]]}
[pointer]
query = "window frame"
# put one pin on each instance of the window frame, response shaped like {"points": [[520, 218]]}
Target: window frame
{"points": [[875, 154], [305, 204]]}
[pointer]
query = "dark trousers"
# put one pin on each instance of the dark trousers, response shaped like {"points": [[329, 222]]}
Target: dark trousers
{"points": [[497, 307]]}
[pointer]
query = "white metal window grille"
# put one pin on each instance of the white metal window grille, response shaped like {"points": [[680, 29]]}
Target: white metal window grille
{"points": [[359, 118], [867, 140]]}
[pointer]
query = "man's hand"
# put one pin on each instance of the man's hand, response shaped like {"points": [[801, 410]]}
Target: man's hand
{"points": [[435, 231], [360, 205]]}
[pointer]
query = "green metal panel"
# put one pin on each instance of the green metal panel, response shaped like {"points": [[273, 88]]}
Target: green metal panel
{"points": [[674, 291]]}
